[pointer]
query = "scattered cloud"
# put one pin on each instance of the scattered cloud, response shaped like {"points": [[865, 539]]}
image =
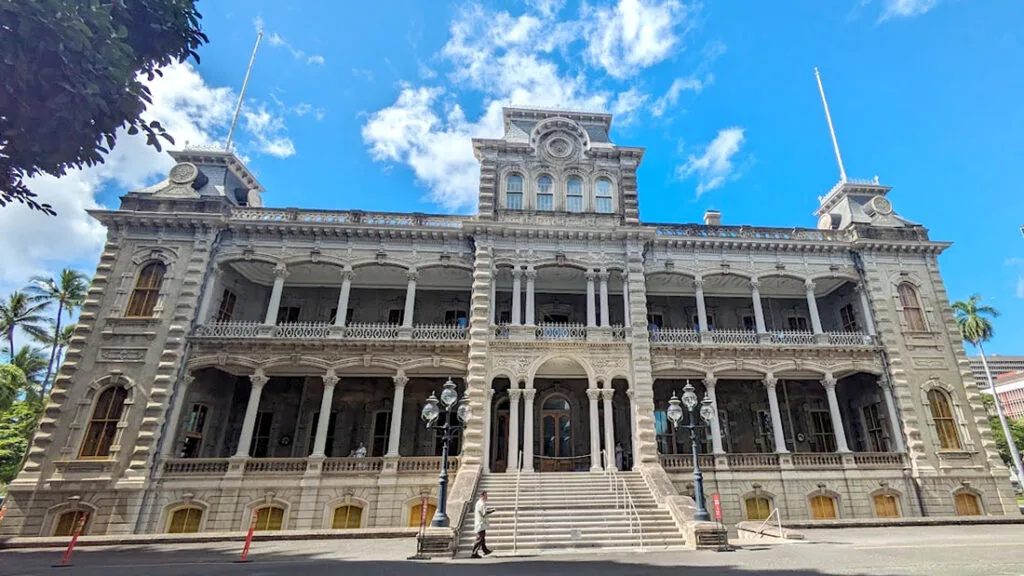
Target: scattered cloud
{"points": [[317, 59], [679, 85], [714, 166], [267, 131], [634, 34], [905, 8], [364, 73], [627, 104], [1018, 265], [278, 41]]}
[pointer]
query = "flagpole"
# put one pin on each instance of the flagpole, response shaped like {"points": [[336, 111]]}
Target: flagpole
{"points": [[832, 131], [241, 95]]}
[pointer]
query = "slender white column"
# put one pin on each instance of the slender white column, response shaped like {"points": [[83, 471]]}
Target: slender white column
{"points": [[829, 382], [343, 294], [410, 299], [324, 421], [773, 404], [716, 427], [397, 403], [812, 305], [595, 439], [531, 276], [258, 379], [625, 298], [702, 313], [609, 427], [755, 295], [488, 428], [894, 419], [602, 276], [865, 309], [280, 273], [517, 287], [528, 427], [492, 304], [591, 312], [634, 433], [513, 428]]}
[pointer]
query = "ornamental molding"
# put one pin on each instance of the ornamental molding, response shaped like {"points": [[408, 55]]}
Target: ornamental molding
{"points": [[310, 364], [122, 354]]}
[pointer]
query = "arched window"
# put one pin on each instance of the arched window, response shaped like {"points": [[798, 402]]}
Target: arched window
{"points": [[102, 430], [347, 517], [945, 424], [574, 195], [416, 514], [269, 518], [604, 196], [886, 506], [967, 504], [147, 290], [758, 508], [823, 507], [68, 521], [912, 313], [545, 193], [514, 192], [185, 520]]}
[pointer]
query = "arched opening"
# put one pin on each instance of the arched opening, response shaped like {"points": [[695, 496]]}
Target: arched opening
{"points": [[185, 520], [563, 440], [417, 514], [70, 521], [269, 518], [823, 507], [500, 450], [147, 291], [102, 430], [942, 417], [886, 505], [347, 517], [757, 507], [967, 504]]}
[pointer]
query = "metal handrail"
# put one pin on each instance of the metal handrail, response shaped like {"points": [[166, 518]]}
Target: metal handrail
{"points": [[626, 502], [778, 519], [515, 509]]}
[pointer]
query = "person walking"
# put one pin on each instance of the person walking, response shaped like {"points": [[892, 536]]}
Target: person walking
{"points": [[480, 523]]}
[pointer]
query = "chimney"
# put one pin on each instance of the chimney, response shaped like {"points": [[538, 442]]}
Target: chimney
{"points": [[712, 218]]}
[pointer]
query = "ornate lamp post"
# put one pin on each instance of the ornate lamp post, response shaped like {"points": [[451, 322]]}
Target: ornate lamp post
{"points": [[707, 414], [432, 410]]}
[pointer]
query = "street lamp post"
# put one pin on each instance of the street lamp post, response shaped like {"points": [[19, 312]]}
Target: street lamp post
{"points": [[432, 410], [707, 414]]}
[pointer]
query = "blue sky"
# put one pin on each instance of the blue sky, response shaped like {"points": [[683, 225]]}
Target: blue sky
{"points": [[371, 105]]}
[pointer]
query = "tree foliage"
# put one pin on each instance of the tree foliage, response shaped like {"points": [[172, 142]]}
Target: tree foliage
{"points": [[972, 318], [16, 428], [72, 76], [25, 311], [68, 291], [1016, 430]]}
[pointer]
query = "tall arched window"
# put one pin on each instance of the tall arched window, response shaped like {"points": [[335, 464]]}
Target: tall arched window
{"points": [[102, 430], [185, 520], [823, 507], [886, 506], [514, 192], [68, 522], [912, 313], [604, 196], [942, 415], [574, 195], [269, 518], [967, 504], [758, 508], [147, 290], [545, 193], [347, 517]]}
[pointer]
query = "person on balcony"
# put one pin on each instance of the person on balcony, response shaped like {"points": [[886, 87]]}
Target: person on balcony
{"points": [[361, 451]]}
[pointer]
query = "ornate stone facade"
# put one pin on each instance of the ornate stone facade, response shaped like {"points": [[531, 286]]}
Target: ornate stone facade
{"points": [[217, 333]]}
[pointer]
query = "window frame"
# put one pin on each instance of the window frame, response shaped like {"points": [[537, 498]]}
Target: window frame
{"points": [[568, 204], [944, 424], [757, 498], [189, 431], [187, 509], [598, 196], [911, 307], [891, 499], [509, 193], [814, 502], [549, 195], [348, 516], [848, 318], [226, 308], [143, 300], [975, 500], [269, 520], [110, 425], [384, 438]]}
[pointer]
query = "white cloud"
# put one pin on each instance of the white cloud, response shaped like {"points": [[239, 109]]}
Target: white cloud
{"points": [[634, 34], [278, 41], [714, 167], [671, 96], [267, 130], [627, 104], [1018, 265], [275, 39], [315, 59], [906, 8], [547, 8]]}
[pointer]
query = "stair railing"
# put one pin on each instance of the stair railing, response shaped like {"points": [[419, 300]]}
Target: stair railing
{"points": [[515, 509], [630, 506], [778, 520], [623, 497]]}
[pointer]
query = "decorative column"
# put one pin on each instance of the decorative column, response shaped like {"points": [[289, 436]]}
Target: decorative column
{"points": [[609, 427], [595, 439], [829, 382], [492, 298], [528, 426], [343, 294], [591, 312], [258, 379], [894, 419], [531, 276], [625, 298], [716, 427], [812, 305], [634, 434], [865, 308], [602, 276], [702, 313], [513, 428], [488, 402], [280, 273], [410, 299], [324, 421], [773, 404], [397, 403], [755, 295], [517, 287]]}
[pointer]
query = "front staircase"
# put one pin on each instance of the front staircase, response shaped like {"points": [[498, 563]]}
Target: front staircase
{"points": [[571, 511]]}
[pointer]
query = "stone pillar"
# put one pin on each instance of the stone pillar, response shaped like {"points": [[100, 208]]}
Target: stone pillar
{"points": [[812, 305], [865, 309], [755, 295], [633, 432], [324, 421], [829, 382], [591, 312], [212, 294], [517, 287], [625, 299], [595, 440], [778, 434], [492, 299], [395, 434], [343, 294], [893, 417], [258, 379], [531, 308], [513, 428], [602, 276], [488, 411], [716, 427], [529, 425], [171, 444], [280, 273], [702, 312], [410, 299], [609, 427]]}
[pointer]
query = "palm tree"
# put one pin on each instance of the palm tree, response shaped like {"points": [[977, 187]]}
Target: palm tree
{"points": [[68, 291], [12, 381], [975, 327], [32, 363], [25, 311]]}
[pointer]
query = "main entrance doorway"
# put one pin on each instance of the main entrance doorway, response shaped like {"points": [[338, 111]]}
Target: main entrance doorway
{"points": [[556, 440]]}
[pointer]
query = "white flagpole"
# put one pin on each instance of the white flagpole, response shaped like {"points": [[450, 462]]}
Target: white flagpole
{"points": [[241, 96], [832, 131]]}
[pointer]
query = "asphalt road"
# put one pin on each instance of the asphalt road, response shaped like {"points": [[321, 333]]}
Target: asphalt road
{"points": [[932, 551]]}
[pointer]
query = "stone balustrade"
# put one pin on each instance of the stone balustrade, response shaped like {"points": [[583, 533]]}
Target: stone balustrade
{"points": [[352, 465], [779, 338], [326, 331], [800, 461], [547, 332], [294, 467], [817, 461], [388, 219], [195, 467], [751, 233]]}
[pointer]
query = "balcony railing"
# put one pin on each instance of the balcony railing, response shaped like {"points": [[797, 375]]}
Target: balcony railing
{"points": [[800, 461], [560, 332], [792, 338], [275, 465], [750, 232], [294, 467], [285, 215], [788, 338], [195, 467], [732, 337], [879, 459], [352, 465], [817, 460], [326, 331], [674, 336]]}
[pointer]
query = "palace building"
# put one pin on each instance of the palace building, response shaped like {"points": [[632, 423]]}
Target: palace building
{"points": [[236, 361]]}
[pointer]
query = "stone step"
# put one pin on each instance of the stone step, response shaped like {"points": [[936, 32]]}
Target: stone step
{"points": [[663, 530], [598, 542]]}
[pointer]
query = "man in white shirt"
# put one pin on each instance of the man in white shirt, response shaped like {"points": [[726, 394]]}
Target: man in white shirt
{"points": [[480, 514]]}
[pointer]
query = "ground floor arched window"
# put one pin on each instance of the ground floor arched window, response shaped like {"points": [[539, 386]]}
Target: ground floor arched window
{"points": [[68, 521], [270, 518], [886, 506], [823, 507], [415, 513], [185, 520], [967, 504], [347, 517], [758, 508]]}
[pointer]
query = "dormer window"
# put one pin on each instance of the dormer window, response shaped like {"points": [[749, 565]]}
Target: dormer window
{"points": [[574, 195], [514, 192], [545, 194], [604, 196]]}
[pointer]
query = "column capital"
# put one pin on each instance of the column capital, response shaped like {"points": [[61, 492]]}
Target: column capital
{"points": [[809, 286], [412, 275], [591, 275], [258, 378], [698, 283], [624, 275], [755, 285], [770, 381], [593, 394], [630, 393], [330, 379], [489, 394], [603, 275], [514, 394], [710, 380], [516, 272], [608, 393], [188, 378], [829, 382], [280, 270], [530, 273], [347, 273], [859, 288], [529, 394], [400, 379]]}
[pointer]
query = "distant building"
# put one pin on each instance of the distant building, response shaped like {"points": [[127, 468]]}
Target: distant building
{"points": [[1010, 387], [997, 364]]}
